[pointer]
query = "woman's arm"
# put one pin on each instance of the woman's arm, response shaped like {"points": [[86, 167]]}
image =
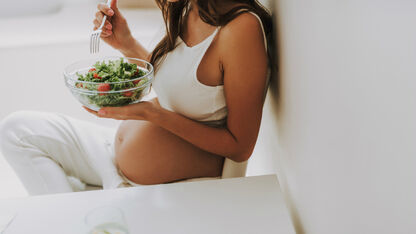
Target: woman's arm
{"points": [[136, 50], [245, 70], [116, 32]]}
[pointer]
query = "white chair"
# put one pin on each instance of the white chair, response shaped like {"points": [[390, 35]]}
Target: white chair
{"points": [[233, 169], [230, 169]]}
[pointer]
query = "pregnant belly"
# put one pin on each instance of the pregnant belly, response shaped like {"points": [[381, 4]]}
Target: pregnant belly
{"points": [[149, 154]]}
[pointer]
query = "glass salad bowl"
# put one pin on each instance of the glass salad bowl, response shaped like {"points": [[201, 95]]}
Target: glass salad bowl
{"points": [[109, 81]]}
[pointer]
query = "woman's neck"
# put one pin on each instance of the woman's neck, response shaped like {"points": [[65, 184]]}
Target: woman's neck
{"points": [[194, 13], [194, 30]]}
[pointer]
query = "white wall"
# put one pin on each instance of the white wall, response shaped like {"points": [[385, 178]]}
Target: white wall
{"points": [[345, 116], [33, 53]]}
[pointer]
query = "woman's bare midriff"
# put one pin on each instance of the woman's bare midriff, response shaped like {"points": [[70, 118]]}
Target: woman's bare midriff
{"points": [[149, 154]]}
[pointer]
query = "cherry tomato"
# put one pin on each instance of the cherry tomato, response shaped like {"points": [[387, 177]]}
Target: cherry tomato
{"points": [[103, 88], [128, 93], [96, 76]]}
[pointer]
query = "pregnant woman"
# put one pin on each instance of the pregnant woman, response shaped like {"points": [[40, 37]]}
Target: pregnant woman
{"points": [[211, 75]]}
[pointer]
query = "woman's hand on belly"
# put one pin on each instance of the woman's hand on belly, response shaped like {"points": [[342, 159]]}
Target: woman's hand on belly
{"points": [[149, 154]]}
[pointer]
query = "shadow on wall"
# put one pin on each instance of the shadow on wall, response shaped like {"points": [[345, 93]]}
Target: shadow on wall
{"points": [[342, 111], [274, 107]]}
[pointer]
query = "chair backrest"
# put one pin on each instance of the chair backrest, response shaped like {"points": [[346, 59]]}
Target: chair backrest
{"points": [[233, 169]]}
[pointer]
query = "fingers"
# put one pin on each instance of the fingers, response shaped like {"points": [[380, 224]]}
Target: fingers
{"points": [[111, 13], [105, 34], [99, 15], [107, 24], [114, 6], [89, 110], [96, 24], [120, 113], [101, 113], [105, 9], [107, 28], [111, 111], [99, 18]]}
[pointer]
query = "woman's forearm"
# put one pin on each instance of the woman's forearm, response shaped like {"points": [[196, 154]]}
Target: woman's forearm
{"points": [[136, 50], [218, 141]]}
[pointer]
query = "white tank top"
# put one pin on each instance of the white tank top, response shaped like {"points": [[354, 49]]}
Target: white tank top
{"points": [[179, 90]]}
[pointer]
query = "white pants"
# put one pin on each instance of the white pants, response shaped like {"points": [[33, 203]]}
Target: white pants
{"points": [[55, 153]]}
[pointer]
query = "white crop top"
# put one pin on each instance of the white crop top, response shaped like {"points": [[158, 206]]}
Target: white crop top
{"points": [[179, 90]]}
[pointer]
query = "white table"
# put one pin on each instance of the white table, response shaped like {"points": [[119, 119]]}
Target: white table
{"points": [[240, 205]]}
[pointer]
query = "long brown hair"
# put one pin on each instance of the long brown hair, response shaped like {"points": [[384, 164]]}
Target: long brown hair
{"points": [[211, 12]]}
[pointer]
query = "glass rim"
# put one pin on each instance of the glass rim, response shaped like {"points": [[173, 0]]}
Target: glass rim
{"points": [[67, 76], [144, 86]]}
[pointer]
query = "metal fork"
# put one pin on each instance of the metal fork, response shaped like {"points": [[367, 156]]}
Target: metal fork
{"points": [[96, 34]]}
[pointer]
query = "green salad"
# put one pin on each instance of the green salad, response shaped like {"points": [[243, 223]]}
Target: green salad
{"points": [[101, 78]]}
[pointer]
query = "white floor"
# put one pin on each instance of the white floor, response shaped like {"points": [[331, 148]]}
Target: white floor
{"points": [[33, 57]]}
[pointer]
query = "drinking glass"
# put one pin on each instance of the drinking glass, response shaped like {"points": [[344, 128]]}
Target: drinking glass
{"points": [[106, 220]]}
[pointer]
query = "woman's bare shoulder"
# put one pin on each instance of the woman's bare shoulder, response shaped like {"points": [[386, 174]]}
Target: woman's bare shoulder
{"points": [[243, 30], [245, 24]]}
